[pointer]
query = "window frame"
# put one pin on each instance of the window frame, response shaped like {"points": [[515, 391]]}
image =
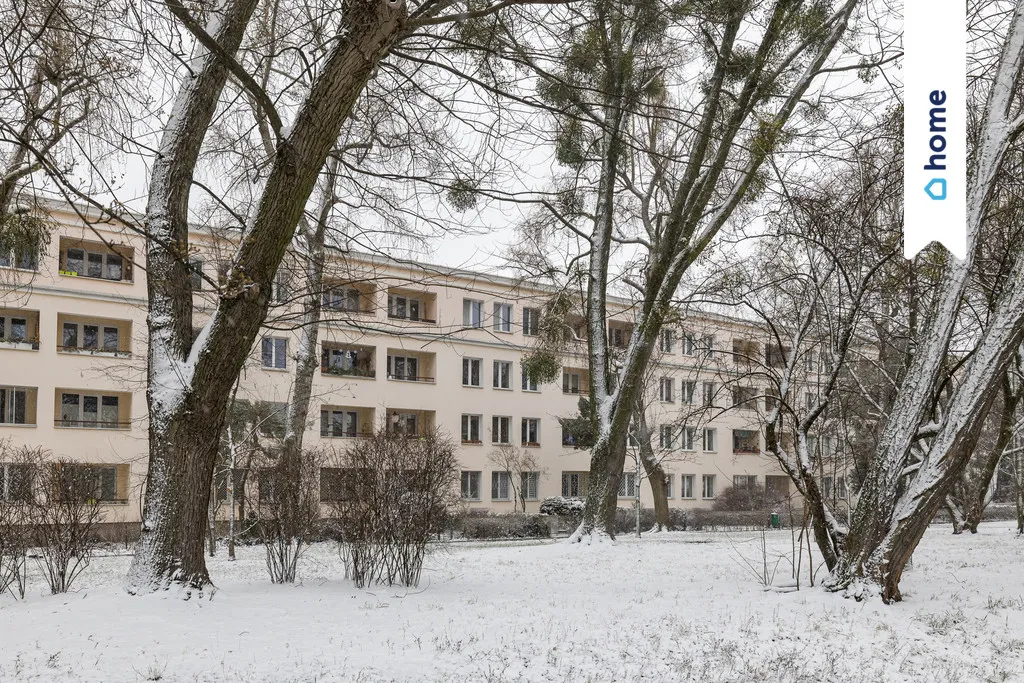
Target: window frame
{"points": [[278, 357], [499, 366], [467, 372]]}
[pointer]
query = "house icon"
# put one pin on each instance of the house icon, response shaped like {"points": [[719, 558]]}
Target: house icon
{"points": [[936, 188]]}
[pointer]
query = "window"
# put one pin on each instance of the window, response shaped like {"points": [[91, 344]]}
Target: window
{"points": [[567, 438], [404, 307], [811, 401], [529, 485], [529, 383], [619, 337], [667, 341], [500, 489], [776, 356], [668, 485], [339, 484], [745, 441], [632, 439], [502, 317], [771, 397], [710, 440], [688, 435], [195, 273], [23, 257], [89, 337], [744, 481], [501, 428], [502, 374], [339, 422], [14, 406], [471, 372], [89, 482], [665, 389], [627, 485], [342, 299], [687, 390], [686, 486], [275, 353], [531, 321], [90, 411], [744, 351], [707, 486], [707, 345], [531, 431], [667, 436], [471, 485], [472, 313], [811, 362], [688, 346], [404, 423], [14, 330], [574, 484], [239, 475], [471, 428], [841, 486], [709, 394], [103, 265], [281, 288], [571, 382], [744, 398], [16, 482], [405, 368]]}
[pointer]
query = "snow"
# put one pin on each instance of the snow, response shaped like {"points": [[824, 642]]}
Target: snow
{"points": [[670, 607]]}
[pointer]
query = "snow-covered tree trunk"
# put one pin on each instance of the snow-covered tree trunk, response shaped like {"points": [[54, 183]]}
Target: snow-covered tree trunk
{"points": [[892, 513], [979, 492], [654, 472], [190, 382]]}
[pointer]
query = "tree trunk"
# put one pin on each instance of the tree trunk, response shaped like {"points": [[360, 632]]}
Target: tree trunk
{"points": [[190, 383], [1018, 485], [655, 475], [978, 493], [955, 516]]}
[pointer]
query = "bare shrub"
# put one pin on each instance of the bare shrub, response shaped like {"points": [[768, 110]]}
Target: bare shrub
{"points": [[66, 515], [283, 508], [390, 495], [742, 498], [18, 469]]}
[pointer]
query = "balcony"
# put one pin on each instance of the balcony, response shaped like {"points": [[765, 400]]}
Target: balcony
{"points": [[414, 423], [576, 381], [412, 305], [348, 360], [19, 329], [95, 260], [348, 422], [94, 336], [411, 366], [349, 298], [85, 409], [619, 334]]}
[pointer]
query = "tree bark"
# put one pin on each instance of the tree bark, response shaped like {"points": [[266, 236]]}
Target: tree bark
{"points": [[978, 492], [655, 475], [190, 383]]}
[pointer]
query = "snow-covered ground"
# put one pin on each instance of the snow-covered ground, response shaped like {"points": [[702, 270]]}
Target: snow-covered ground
{"points": [[670, 607]]}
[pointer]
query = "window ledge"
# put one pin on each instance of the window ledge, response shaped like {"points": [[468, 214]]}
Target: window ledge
{"points": [[285, 370], [94, 352], [532, 444], [502, 388], [71, 273], [20, 425], [472, 443], [473, 386]]}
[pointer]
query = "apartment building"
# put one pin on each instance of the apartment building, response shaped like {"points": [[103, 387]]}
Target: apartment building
{"points": [[402, 345]]}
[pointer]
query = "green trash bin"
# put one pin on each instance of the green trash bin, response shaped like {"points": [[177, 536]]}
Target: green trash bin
{"points": [[775, 520]]}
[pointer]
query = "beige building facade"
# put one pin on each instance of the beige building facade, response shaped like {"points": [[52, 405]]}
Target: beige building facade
{"points": [[400, 344]]}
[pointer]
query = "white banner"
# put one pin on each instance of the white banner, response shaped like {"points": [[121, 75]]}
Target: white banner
{"points": [[935, 125]]}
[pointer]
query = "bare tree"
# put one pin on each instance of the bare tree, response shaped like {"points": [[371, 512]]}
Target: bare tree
{"points": [[518, 464]]}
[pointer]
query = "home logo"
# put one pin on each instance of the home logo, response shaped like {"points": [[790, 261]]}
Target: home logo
{"points": [[935, 127]]}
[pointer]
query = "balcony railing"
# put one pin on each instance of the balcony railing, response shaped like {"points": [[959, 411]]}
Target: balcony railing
{"points": [[348, 372], [421, 319], [344, 434], [412, 378], [95, 351], [92, 424]]}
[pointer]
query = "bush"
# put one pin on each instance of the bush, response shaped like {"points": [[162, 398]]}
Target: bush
{"points": [[742, 498], [392, 494], [511, 525], [558, 505], [703, 519]]}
